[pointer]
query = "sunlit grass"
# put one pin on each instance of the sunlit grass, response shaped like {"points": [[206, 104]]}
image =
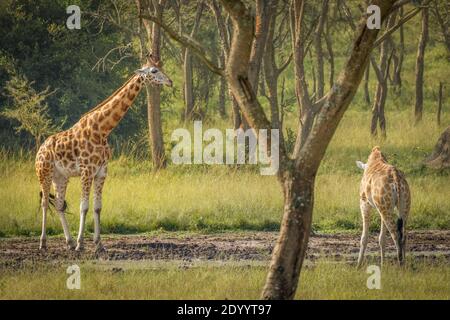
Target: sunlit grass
{"points": [[326, 280], [212, 198]]}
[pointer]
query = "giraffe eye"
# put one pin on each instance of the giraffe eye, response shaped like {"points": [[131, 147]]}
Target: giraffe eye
{"points": [[153, 70]]}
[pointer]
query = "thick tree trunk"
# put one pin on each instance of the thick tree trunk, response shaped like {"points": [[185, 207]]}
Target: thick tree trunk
{"points": [[298, 185], [418, 108], [290, 250]]}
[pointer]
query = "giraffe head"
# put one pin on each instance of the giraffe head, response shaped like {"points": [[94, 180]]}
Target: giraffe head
{"points": [[151, 72], [375, 155]]}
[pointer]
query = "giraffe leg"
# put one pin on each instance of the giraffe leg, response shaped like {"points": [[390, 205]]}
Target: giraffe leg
{"points": [[365, 212], [60, 185], [86, 183], [99, 181], [44, 172], [391, 224], [382, 241], [45, 192]]}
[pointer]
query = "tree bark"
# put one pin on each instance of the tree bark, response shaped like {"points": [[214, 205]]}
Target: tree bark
{"points": [[329, 44], [418, 108], [298, 186], [442, 23], [307, 111], [397, 78], [440, 158], [439, 110], [318, 49], [382, 72], [189, 100], [366, 85], [154, 92]]}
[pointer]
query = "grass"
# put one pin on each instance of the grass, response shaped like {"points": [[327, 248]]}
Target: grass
{"points": [[214, 198], [325, 280]]}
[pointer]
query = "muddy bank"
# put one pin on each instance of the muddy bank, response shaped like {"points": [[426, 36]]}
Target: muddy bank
{"points": [[246, 246]]}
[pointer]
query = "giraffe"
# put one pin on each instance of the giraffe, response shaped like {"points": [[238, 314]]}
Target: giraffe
{"points": [[83, 151], [384, 188]]}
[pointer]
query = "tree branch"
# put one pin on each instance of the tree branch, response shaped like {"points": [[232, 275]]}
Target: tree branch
{"points": [[405, 19], [188, 42]]}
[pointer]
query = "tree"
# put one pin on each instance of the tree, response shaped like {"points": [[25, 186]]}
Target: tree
{"points": [[440, 158], [382, 74], [296, 173], [418, 108], [29, 108], [153, 46]]}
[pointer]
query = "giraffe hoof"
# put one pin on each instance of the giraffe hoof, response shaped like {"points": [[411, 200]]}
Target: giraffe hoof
{"points": [[70, 245], [100, 250], [43, 245], [79, 248]]}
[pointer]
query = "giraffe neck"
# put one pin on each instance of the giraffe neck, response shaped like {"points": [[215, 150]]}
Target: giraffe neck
{"points": [[105, 117]]}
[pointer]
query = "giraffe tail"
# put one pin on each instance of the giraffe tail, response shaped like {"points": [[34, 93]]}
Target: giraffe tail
{"points": [[51, 201]]}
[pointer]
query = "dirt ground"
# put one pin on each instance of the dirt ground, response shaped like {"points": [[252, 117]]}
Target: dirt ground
{"points": [[244, 246]]}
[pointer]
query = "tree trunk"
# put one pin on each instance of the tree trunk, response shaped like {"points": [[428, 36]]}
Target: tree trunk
{"points": [[329, 44], [307, 112], [189, 100], [382, 72], [298, 185], [154, 92], [318, 50], [440, 158], [397, 78], [439, 110], [297, 175], [442, 23], [366, 85], [188, 85], [418, 108], [222, 89], [290, 250]]}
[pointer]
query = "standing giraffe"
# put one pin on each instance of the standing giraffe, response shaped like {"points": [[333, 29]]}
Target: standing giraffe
{"points": [[384, 188], [83, 151]]}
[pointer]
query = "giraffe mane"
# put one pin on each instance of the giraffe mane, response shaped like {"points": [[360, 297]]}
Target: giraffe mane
{"points": [[101, 104]]}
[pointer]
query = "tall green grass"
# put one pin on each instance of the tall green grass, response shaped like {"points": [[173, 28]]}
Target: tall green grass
{"points": [[419, 280], [212, 198]]}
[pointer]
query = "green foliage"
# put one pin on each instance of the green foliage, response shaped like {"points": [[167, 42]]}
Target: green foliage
{"points": [[29, 107]]}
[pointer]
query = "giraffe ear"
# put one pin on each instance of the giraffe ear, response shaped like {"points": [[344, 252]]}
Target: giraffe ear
{"points": [[361, 165], [153, 61]]}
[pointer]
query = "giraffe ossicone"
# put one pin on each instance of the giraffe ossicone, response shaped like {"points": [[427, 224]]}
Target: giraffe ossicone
{"points": [[83, 151]]}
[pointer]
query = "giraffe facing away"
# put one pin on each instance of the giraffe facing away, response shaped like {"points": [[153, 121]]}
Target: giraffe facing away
{"points": [[83, 151], [384, 188]]}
